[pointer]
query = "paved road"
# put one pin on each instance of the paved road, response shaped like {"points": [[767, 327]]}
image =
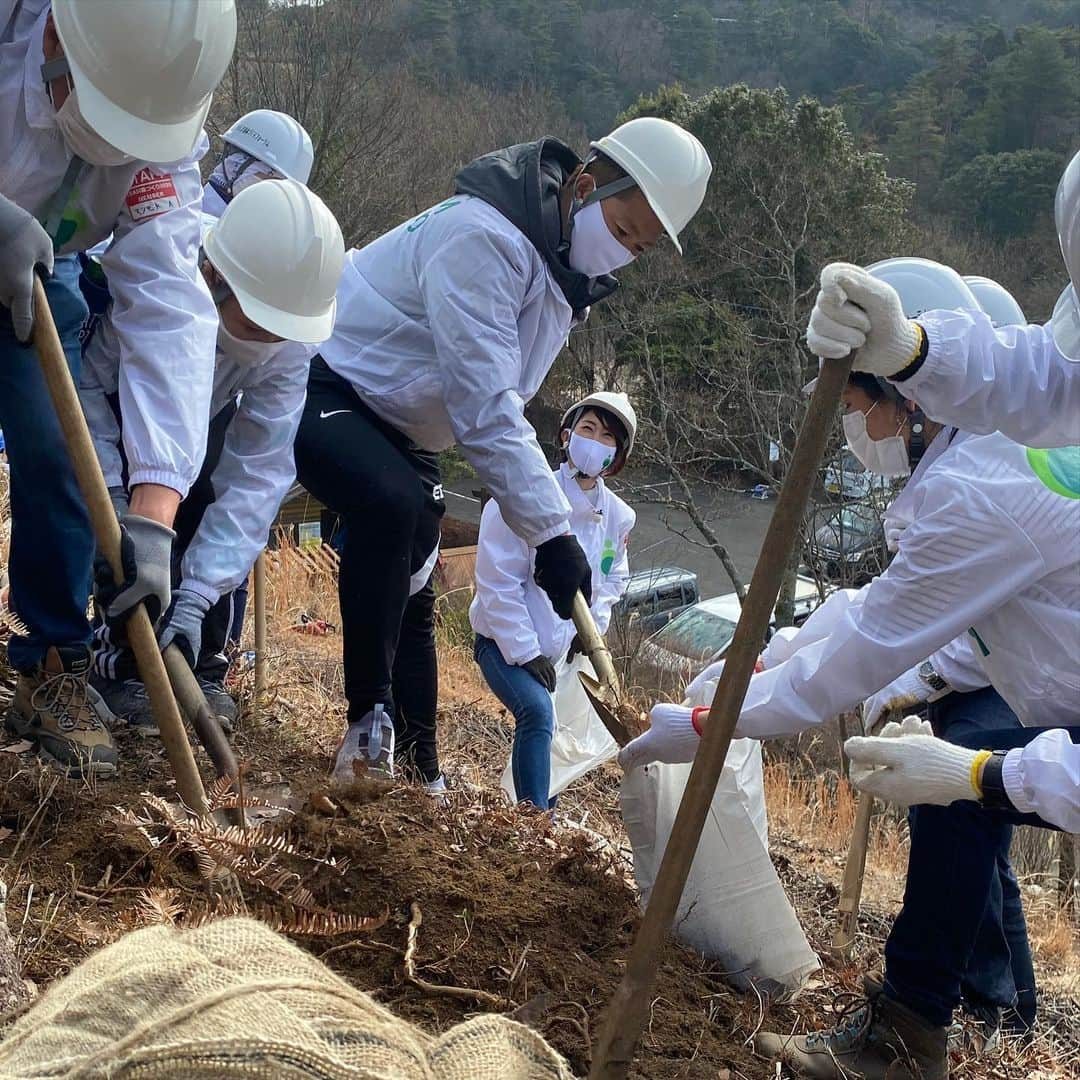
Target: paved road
{"points": [[739, 522]]}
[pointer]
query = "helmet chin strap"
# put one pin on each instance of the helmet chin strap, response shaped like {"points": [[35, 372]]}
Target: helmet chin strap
{"points": [[917, 441]]}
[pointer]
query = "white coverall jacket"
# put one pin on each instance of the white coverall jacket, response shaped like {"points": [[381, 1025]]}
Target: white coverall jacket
{"points": [[446, 327], [512, 610], [990, 549], [1013, 380], [256, 466], [164, 321]]}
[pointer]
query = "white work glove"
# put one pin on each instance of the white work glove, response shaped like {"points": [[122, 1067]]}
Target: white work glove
{"points": [[904, 693], [854, 310], [907, 765], [24, 246], [182, 626], [146, 555], [673, 737], [702, 690]]}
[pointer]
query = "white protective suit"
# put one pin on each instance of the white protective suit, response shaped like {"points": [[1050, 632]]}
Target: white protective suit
{"points": [[446, 327], [1011, 380], [164, 321], [255, 469], [512, 610], [990, 549], [1044, 778]]}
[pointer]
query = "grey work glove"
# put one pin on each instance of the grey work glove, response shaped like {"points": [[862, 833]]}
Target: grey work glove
{"points": [[24, 246], [146, 554], [543, 671], [182, 625]]}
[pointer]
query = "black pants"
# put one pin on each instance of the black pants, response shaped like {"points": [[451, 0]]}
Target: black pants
{"points": [[113, 658], [952, 868], [388, 492]]}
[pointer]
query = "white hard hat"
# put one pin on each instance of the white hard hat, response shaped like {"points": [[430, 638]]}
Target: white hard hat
{"points": [[280, 251], [1064, 322], [145, 72], [616, 403], [925, 285], [276, 139], [669, 164], [996, 301]]}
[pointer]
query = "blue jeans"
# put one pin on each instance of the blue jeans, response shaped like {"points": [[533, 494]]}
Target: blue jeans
{"points": [[52, 545], [961, 931], [534, 719]]}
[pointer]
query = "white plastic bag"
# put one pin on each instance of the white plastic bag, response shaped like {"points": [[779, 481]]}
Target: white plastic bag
{"points": [[733, 909], [581, 742]]}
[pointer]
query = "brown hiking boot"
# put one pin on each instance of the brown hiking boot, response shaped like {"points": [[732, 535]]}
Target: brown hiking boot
{"points": [[876, 1038], [51, 708]]}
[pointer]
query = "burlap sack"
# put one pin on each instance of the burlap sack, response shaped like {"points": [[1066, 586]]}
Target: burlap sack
{"points": [[233, 999]]}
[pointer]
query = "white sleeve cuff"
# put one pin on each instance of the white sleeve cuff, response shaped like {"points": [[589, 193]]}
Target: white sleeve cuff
{"points": [[206, 591], [163, 477]]}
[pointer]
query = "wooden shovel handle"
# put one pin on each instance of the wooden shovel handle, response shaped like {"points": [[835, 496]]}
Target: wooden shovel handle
{"points": [[594, 646], [91, 482]]}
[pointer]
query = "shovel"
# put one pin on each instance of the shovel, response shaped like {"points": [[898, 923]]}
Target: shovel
{"points": [[140, 632], [603, 695], [630, 1008]]}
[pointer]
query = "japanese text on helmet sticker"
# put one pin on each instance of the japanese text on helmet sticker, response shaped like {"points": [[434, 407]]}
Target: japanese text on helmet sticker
{"points": [[151, 193]]}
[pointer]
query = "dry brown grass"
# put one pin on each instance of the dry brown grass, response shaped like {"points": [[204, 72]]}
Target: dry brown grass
{"points": [[286, 742]]}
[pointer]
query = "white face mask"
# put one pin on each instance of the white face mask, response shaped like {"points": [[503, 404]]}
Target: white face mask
{"points": [[886, 457], [242, 351], [589, 457], [593, 248], [82, 140]]}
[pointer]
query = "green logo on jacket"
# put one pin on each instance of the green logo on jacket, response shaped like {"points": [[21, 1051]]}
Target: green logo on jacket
{"points": [[607, 558], [1058, 469]]}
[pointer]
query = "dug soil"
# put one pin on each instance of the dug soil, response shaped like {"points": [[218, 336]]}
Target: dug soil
{"points": [[537, 920]]}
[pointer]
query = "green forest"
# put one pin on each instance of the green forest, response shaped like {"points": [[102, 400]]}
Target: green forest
{"points": [[977, 101], [838, 129]]}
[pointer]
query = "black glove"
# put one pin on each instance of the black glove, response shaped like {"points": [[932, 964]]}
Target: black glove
{"points": [[561, 570], [145, 554], [542, 670], [576, 646]]}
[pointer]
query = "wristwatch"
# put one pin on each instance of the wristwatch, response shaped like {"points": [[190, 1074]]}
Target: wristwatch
{"points": [[938, 686], [992, 782]]}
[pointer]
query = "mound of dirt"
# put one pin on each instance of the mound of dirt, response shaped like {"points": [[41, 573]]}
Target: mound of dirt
{"points": [[536, 920]]}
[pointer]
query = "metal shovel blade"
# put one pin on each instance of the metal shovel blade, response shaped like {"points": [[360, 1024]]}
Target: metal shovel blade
{"points": [[600, 700]]}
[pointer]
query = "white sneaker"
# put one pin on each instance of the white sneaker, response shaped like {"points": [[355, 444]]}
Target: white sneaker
{"points": [[437, 791], [370, 741]]}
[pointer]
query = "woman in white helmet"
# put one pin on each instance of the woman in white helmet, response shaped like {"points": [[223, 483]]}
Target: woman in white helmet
{"points": [[102, 104], [272, 263], [262, 145], [986, 549], [447, 326], [523, 648], [1021, 380]]}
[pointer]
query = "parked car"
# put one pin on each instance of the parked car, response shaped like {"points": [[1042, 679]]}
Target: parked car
{"points": [[847, 477], [653, 597], [847, 545], [669, 659]]}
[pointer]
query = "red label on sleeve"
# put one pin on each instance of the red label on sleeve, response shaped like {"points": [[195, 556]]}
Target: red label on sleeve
{"points": [[151, 193]]}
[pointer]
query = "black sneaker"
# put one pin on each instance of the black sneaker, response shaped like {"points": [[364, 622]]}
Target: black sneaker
{"points": [[221, 702], [128, 701]]}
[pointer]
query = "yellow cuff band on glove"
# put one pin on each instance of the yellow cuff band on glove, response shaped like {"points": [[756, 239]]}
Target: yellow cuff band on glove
{"points": [[977, 763]]}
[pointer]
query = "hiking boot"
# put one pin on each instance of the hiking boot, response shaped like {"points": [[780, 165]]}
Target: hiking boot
{"points": [[128, 701], [221, 703], [369, 742], [51, 708], [876, 1039]]}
